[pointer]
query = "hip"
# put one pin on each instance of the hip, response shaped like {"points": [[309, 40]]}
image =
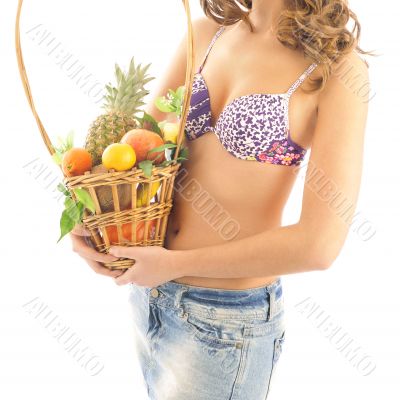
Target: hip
{"points": [[243, 311]]}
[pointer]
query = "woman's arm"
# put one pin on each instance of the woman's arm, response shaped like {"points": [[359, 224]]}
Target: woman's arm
{"points": [[331, 190]]}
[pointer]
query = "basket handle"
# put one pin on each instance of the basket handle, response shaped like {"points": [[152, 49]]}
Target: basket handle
{"points": [[188, 80], [25, 81], [28, 92]]}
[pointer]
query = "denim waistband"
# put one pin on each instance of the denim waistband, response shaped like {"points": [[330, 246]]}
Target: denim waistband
{"points": [[258, 303]]}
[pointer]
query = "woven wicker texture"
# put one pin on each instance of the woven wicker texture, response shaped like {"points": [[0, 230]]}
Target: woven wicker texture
{"points": [[143, 221]]}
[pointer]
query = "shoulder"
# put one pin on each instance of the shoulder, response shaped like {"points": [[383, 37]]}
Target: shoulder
{"points": [[349, 79], [204, 30], [350, 67], [343, 102]]}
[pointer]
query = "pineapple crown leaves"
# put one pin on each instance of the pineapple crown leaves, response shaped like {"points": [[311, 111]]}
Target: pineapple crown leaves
{"points": [[128, 94]]}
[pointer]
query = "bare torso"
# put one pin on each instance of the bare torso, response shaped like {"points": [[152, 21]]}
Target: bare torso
{"points": [[250, 194]]}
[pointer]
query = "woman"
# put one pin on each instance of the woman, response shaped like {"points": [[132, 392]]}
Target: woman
{"points": [[208, 307]]}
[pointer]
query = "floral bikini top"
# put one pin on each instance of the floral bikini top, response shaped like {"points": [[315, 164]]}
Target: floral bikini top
{"points": [[251, 127]]}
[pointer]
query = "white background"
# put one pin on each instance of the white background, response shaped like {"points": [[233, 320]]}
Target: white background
{"points": [[359, 292]]}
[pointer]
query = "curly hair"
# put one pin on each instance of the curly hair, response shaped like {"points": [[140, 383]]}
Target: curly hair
{"points": [[316, 27]]}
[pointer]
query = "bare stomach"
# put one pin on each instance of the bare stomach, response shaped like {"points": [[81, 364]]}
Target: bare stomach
{"points": [[225, 200]]}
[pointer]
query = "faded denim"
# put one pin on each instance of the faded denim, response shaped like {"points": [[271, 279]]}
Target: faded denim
{"points": [[197, 343]]}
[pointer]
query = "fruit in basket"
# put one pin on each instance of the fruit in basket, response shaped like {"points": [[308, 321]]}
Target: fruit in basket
{"points": [[151, 230], [121, 104], [76, 161], [170, 132], [112, 231], [142, 141], [143, 192], [104, 193], [119, 156]]}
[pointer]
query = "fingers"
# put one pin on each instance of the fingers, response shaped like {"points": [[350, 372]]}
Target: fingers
{"points": [[124, 251], [80, 230], [127, 277], [80, 246], [93, 257], [101, 270]]}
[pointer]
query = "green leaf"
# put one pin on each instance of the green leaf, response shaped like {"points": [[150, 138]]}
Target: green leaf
{"points": [[146, 166], [163, 105], [81, 208], [60, 144], [176, 100], [61, 188], [57, 157], [66, 224], [180, 92], [153, 123], [84, 197], [183, 153], [69, 203], [63, 146], [69, 141], [172, 102], [179, 96], [165, 163], [162, 147], [75, 211]]}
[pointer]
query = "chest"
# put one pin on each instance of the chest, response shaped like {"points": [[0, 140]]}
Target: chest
{"points": [[250, 127]]}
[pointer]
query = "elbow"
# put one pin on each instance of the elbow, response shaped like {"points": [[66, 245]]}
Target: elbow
{"points": [[323, 262], [322, 255]]}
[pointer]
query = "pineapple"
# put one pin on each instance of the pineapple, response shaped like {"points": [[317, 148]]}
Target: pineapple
{"points": [[121, 105]]}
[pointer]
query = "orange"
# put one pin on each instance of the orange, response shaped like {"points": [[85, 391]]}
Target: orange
{"points": [[112, 231], [142, 141], [76, 161], [118, 156], [151, 230]]}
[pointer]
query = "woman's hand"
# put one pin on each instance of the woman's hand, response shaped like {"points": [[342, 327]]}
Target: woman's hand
{"points": [[93, 257], [154, 265]]}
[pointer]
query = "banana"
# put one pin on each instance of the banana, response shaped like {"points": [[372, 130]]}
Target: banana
{"points": [[143, 192]]}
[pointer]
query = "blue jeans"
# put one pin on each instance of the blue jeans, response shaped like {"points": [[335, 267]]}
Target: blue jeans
{"points": [[198, 343]]}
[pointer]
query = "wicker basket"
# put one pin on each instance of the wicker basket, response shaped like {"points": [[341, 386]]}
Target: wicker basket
{"points": [[145, 225]]}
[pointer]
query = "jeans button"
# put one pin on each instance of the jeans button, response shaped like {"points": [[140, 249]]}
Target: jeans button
{"points": [[154, 292]]}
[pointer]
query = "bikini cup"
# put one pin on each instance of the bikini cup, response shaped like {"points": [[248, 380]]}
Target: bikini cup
{"points": [[250, 127]]}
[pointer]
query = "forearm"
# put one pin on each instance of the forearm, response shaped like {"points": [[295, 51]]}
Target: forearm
{"points": [[284, 250]]}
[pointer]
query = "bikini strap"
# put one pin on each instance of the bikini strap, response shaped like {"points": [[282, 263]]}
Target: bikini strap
{"points": [[216, 36], [301, 79]]}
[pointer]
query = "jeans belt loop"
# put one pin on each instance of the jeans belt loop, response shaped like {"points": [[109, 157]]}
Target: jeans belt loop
{"points": [[272, 301], [178, 298]]}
